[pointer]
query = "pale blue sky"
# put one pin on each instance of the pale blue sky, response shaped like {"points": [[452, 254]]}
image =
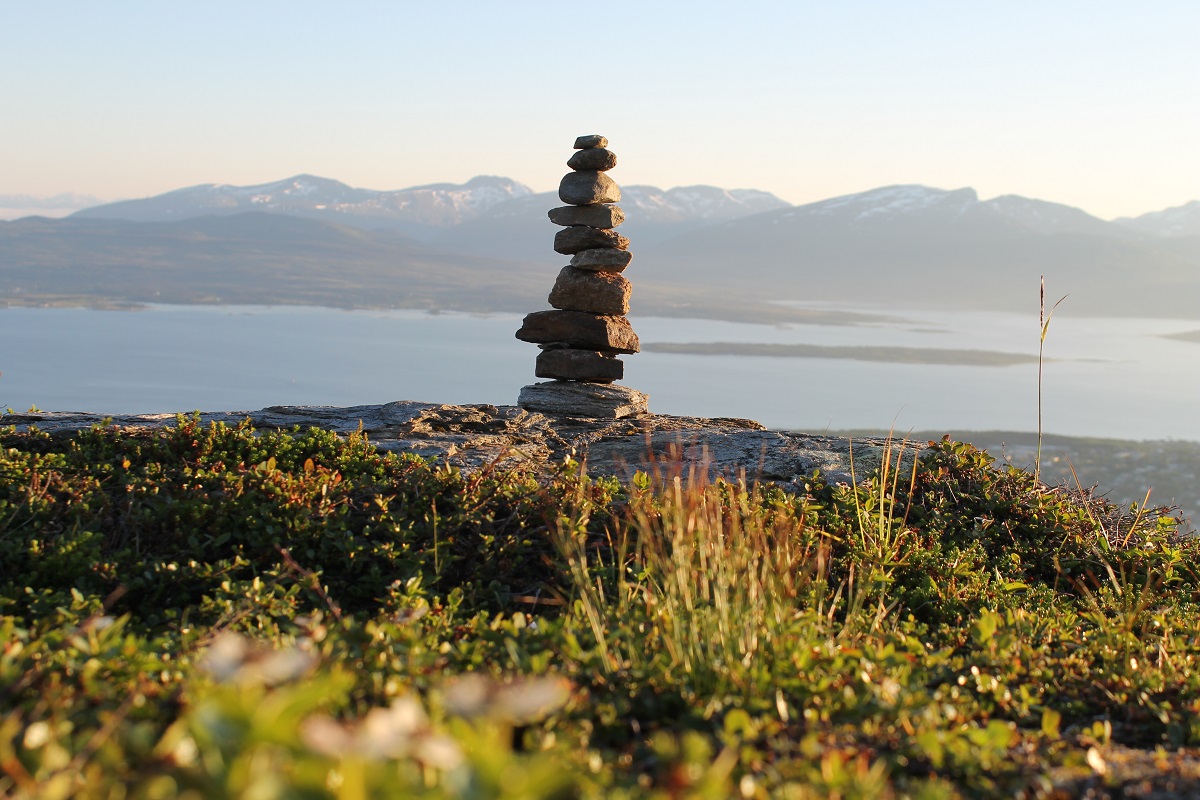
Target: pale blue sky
{"points": [[1094, 104]]}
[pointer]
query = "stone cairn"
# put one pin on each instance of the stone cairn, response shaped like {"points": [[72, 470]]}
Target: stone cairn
{"points": [[581, 338]]}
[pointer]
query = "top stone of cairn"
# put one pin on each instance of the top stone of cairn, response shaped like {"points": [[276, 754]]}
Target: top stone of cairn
{"points": [[595, 140]]}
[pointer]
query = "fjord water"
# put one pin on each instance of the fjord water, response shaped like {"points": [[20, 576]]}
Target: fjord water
{"points": [[1110, 377]]}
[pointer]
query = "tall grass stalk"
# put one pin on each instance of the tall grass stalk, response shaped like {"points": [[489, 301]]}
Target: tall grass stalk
{"points": [[1044, 323]]}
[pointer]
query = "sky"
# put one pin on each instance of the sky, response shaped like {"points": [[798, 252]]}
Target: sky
{"points": [[1093, 104]]}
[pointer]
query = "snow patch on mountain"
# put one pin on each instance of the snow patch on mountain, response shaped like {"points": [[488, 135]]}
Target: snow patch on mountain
{"points": [[437, 205], [888, 201], [707, 203]]}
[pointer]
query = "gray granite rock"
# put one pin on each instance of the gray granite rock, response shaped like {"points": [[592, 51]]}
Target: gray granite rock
{"points": [[596, 158], [574, 238], [597, 216], [594, 292], [587, 400], [588, 187], [594, 140], [473, 437], [566, 364], [607, 334], [602, 259]]}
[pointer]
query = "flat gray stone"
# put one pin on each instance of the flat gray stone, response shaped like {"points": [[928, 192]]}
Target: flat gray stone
{"points": [[597, 216], [588, 187], [474, 437], [574, 238], [602, 260], [579, 330], [596, 158], [565, 364], [594, 140], [594, 292], [589, 400]]}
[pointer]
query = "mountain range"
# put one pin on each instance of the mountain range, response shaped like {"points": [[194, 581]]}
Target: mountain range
{"points": [[699, 250]]}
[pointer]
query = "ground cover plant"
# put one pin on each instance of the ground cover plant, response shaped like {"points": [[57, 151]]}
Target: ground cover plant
{"points": [[220, 612]]}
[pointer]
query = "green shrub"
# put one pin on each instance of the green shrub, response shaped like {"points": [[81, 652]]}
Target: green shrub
{"points": [[216, 611]]}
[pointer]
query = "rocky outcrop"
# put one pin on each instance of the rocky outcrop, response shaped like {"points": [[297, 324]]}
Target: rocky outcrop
{"points": [[475, 436]]}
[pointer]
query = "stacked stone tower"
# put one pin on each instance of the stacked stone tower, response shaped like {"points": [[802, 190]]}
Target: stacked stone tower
{"points": [[581, 338]]}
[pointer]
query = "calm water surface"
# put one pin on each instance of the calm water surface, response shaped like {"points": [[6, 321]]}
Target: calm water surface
{"points": [[1109, 377]]}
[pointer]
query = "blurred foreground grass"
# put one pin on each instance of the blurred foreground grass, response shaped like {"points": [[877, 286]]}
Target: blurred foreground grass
{"points": [[215, 612]]}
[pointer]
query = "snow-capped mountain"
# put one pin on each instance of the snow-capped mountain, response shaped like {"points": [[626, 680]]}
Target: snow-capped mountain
{"points": [[931, 246], [695, 203], [908, 204], [436, 205], [1181, 220], [519, 227]]}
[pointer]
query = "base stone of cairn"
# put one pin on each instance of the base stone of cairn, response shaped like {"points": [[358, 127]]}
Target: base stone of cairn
{"points": [[579, 399], [582, 336]]}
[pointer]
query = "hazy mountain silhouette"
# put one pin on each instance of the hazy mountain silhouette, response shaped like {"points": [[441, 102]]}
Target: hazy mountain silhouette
{"points": [[1181, 220], [487, 244], [252, 258], [21, 205]]}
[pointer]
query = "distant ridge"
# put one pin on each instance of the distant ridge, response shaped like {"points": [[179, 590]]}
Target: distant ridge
{"points": [[415, 211], [1181, 220], [702, 250]]}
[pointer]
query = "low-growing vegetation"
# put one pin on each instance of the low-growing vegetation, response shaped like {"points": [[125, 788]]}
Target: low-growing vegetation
{"points": [[217, 612]]}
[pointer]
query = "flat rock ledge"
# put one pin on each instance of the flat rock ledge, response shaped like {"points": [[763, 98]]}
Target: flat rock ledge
{"points": [[474, 436]]}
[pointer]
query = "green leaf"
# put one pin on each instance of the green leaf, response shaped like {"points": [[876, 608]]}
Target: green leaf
{"points": [[1050, 722]]}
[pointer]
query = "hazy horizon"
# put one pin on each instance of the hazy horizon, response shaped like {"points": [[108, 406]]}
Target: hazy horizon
{"points": [[1077, 103]]}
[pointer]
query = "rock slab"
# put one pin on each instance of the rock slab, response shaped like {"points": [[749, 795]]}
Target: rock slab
{"points": [[579, 330], [602, 259], [596, 158], [593, 140], [584, 400], [472, 437], [597, 216], [587, 187], [564, 364], [594, 292], [577, 238]]}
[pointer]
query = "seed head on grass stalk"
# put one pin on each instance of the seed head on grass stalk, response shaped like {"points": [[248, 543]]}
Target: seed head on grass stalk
{"points": [[1044, 322]]}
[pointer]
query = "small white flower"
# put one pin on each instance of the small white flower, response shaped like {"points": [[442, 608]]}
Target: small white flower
{"points": [[36, 735]]}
